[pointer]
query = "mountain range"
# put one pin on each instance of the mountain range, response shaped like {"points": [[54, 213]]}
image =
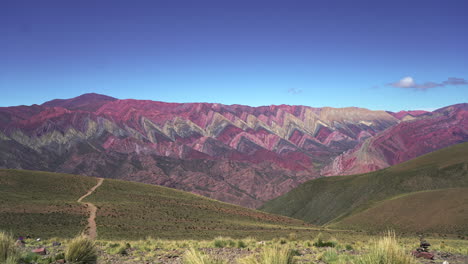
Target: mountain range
{"points": [[233, 153]]}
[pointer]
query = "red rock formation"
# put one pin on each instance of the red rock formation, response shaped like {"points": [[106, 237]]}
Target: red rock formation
{"points": [[234, 153], [405, 141]]}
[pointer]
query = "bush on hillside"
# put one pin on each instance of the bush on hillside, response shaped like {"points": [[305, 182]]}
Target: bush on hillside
{"points": [[221, 242], [292, 237], [319, 242]]}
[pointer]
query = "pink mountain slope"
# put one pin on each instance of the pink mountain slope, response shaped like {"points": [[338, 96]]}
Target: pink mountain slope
{"points": [[407, 140], [408, 115], [234, 153]]}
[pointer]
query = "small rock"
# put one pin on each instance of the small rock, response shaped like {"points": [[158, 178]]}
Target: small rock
{"points": [[426, 255], [60, 261], [446, 255], [445, 262], [40, 251]]}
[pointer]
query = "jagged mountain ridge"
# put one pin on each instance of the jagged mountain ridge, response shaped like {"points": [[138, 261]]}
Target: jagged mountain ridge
{"points": [[407, 140], [234, 153]]}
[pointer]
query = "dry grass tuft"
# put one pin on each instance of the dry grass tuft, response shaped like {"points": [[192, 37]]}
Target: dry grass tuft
{"points": [[193, 256], [81, 250], [271, 255], [8, 252], [386, 251]]}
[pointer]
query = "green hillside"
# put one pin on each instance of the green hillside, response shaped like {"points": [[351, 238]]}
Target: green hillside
{"points": [[439, 211], [330, 199], [43, 204]]}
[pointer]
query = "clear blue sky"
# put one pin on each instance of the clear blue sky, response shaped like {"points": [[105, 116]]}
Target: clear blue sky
{"points": [[316, 53]]}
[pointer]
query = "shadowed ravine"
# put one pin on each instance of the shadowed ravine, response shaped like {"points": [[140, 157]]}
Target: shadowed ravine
{"points": [[90, 229]]}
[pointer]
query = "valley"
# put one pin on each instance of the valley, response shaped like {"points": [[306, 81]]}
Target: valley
{"points": [[165, 182]]}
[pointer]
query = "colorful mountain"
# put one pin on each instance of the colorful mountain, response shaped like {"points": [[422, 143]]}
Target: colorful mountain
{"points": [[407, 140], [234, 153]]}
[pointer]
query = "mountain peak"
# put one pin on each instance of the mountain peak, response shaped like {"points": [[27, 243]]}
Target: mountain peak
{"points": [[88, 102]]}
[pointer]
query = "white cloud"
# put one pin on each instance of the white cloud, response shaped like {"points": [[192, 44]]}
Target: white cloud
{"points": [[409, 82]]}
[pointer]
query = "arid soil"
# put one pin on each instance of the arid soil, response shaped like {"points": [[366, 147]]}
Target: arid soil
{"points": [[91, 229]]}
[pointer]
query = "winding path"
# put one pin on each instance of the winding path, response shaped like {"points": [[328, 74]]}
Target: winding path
{"points": [[91, 227]]}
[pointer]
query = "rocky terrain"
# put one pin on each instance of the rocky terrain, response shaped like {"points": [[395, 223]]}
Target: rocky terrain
{"points": [[234, 153], [407, 140]]}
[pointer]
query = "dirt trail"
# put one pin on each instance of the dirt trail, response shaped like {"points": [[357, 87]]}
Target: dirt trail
{"points": [[91, 227]]}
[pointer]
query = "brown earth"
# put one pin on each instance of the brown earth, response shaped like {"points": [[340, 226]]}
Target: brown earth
{"points": [[91, 229]]}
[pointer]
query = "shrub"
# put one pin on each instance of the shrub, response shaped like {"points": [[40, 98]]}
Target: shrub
{"points": [[29, 257], [122, 251], [8, 250], [193, 256], [114, 245], [241, 244], [271, 255], [11, 260], [59, 255], [221, 242], [332, 256], [329, 256], [319, 242], [386, 251], [292, 237], [81, 250]]}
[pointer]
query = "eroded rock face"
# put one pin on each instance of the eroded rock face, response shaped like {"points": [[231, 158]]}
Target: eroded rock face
{"points": [[234, 153], [405, 141]]}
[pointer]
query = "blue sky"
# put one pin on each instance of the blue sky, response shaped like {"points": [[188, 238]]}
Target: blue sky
{"points": [[391, 55]]}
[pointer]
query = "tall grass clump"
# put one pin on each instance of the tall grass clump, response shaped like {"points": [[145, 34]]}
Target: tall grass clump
{"points": [[329, 256], [319, 242], [193, 256], [8, 251], [221, 242], [81, 250], [386, 251], [271, 255], [292, 237]]}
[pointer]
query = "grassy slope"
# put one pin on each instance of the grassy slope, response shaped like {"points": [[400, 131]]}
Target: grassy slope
{"points": [[135, 210], [439, 211], [44, 205], [331, 199]]}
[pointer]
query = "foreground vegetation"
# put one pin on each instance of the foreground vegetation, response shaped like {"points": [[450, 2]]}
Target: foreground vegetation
{"points": [[183, 228], [323, 248], [331, 200]]}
